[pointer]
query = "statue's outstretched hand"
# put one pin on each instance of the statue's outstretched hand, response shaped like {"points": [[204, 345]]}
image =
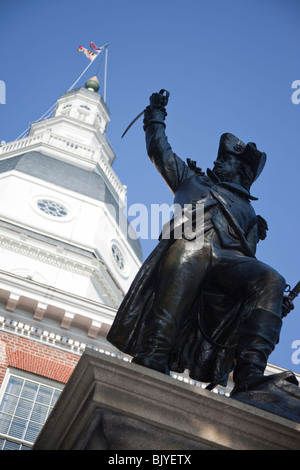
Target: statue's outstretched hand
{"points": [[159, 99], [156, 111]]}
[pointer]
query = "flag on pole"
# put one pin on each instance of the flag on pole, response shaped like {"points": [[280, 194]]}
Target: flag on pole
{"points": [[90, 55], [95, 48]]}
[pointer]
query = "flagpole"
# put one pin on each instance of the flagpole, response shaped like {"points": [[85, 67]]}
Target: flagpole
{"points": [[105, 72], [91, 62]]}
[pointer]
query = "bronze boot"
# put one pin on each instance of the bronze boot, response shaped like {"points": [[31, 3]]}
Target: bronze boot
{"points": [[256, 342]]}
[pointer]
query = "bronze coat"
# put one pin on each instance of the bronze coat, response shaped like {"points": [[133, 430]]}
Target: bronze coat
{"points": [[207, 340]]}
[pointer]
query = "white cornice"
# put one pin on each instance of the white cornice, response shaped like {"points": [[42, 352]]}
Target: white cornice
{"points": [[68, 261], [69, 341], [41, 301]]}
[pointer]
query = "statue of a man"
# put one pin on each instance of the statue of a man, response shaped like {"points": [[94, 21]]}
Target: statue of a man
{"points": [[209, 307]]}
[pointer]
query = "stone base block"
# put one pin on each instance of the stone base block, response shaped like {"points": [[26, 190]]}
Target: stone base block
{"points": [[110, 404]]}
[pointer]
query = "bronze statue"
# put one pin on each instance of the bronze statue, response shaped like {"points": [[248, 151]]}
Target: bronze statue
{"points": [[213, 307]]}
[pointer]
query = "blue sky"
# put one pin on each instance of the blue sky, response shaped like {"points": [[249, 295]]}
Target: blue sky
{"points": [[229, 66]]}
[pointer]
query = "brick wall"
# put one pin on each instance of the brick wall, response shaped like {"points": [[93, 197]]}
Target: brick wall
{"points": [[37, 358]]}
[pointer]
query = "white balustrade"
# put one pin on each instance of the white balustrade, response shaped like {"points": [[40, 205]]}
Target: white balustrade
{"points": [[71, 147]]}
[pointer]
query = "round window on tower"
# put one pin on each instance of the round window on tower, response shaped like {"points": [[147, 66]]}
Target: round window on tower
{"points": [[52, 208], [119, 259]]}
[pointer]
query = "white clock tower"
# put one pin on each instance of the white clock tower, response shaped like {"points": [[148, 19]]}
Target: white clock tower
{"points": [[68, 255]]}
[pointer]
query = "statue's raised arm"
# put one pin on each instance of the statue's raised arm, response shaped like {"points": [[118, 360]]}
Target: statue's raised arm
{"points": [[172, 168]]}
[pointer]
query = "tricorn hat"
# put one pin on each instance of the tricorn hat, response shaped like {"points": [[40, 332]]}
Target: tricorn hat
{"points": [[245, 152]]}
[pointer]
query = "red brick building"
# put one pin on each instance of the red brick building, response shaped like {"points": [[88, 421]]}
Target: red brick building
{"points": [[37, 358]]}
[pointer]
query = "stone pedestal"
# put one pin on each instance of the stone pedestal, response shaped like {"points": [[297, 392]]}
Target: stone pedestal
{"points": [[110, 404]]}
